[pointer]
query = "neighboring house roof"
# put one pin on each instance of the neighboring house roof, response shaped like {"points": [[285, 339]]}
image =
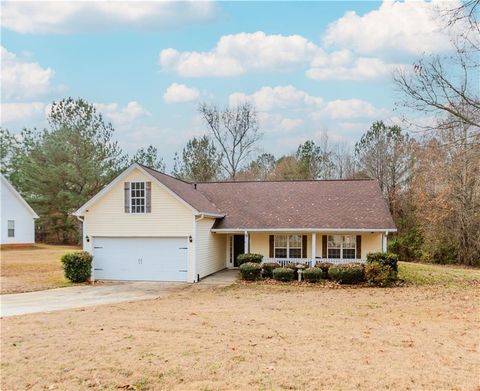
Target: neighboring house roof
{"points": [[316, 204], [8, 185], [275, 205]]}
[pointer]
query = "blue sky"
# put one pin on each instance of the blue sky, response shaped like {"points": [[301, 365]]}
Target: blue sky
{"points": [[309, 67]]}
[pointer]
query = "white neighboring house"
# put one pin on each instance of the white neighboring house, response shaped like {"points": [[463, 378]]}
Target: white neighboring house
{"points": [[17, 217]]}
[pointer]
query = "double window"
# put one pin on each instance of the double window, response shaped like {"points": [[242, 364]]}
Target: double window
{"points": [[341, 246], [287, 246], [11, 228], [137, 197]]}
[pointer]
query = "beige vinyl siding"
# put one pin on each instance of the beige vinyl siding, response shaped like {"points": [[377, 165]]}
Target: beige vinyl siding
{"points": [[169, 217], [371, 243], [210, 248], [260, 243]]}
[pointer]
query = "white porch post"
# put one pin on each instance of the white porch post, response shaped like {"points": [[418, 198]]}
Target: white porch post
{"points": [[384, 241], [246, 249], [314, 248]]}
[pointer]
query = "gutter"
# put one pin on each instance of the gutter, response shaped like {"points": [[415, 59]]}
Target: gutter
{"points": [[242, 230]]}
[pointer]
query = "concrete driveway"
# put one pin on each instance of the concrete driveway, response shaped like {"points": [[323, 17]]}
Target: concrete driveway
{"points": [[84, 296]]}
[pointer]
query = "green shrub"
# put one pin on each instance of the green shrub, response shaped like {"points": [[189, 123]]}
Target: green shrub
{"points": [[251, 271], [249, 257], [293, 266], [324, 266], [268, 268], [378, 274], [387, 259], [350, 273], [313, 274], [283, 274], [77, 267]]}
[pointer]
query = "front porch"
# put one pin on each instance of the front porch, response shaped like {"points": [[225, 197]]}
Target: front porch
{"points": [[311, 262], [306, 248]]}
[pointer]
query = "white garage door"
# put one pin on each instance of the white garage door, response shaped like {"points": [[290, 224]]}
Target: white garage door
{"points": [[140, 259]]}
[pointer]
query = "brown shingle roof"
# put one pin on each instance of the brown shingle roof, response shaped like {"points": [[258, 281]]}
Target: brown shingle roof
{"points": [[322, 204], [185, 191], [344, 204]]}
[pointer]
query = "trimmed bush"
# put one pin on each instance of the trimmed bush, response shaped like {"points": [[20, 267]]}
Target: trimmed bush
{"points": [[268, 268], [324, 266], [387, 259], [378, 274], [249, 257], [251, 271], [350, 273], [77, 266], [283, 274], [313, 274]]}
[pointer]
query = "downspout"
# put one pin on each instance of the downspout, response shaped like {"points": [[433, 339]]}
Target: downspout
{"points": [[196, 276]]}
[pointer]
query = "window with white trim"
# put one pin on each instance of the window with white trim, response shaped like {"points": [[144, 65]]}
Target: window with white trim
{"points": [[287, 246], [11, 228], [137, 197], [342, 246]]}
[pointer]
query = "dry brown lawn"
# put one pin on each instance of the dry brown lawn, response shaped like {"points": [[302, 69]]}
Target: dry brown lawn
{"points": [[254, 337], [32, 268]]}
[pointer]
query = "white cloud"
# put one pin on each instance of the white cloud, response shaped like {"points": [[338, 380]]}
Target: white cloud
{"points": [[352, 108], [122, 116], [13, 112], [234, 55], [86, 16], [22, 80], [238, 53], [409, 26], [288, 109], [177, 93], [359, 69], [291, 123], [280, 97]]}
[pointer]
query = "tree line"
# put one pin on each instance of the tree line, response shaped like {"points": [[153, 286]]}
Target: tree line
{"points": [[429, 177]]}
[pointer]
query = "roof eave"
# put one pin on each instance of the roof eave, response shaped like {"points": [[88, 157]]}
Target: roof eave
{"points": [[226, 230]]}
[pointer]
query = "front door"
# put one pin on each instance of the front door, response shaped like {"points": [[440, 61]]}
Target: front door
{"points": [[238, 247]]}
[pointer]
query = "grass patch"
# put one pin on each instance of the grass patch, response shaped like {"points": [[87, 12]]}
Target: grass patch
{"points": [[33, 268], [431, 274]]}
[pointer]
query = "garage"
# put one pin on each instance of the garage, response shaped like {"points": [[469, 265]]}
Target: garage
{"points": [[140, 259]]}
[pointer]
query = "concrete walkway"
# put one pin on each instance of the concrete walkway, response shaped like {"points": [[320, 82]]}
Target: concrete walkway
{"points": [[220, 279], [84, 296]]}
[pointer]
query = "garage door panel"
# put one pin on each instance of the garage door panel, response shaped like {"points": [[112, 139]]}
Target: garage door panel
{"points": [[141, 259]]}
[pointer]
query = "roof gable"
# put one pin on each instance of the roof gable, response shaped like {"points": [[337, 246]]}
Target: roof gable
{"points": [[6, 184], [182, 191]]}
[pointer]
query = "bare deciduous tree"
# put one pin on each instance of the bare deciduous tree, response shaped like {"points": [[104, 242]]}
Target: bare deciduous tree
{"points": [[446, 196], [448, 84], [235, 131]]}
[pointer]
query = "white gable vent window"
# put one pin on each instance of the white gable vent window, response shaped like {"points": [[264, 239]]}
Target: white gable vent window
{"points": [[137, 197]]}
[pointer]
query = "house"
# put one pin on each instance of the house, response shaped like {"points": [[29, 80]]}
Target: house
{"points": [[17, 217], [146, 225]]}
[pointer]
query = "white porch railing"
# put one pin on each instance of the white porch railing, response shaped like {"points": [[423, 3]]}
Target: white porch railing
{"points": [[309, 262]]}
